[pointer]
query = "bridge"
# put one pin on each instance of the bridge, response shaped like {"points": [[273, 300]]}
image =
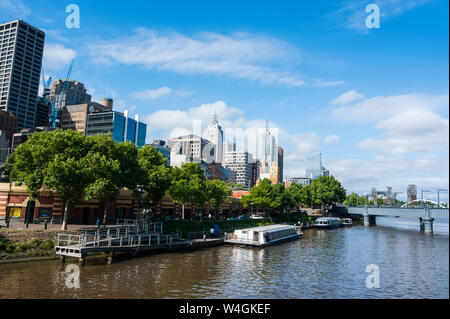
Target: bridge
{"points": [[424, 215]]}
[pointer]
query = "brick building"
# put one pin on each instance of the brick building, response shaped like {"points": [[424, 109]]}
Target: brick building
{"points": [[15, 204]]}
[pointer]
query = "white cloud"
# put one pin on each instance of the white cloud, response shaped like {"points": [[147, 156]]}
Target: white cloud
{"points": [[57, 57], [331, 138], [322, 83], [150, 94], [16, 7], [348, 97], [380, 107], [352, 13], [410, 131], [239, 55]]}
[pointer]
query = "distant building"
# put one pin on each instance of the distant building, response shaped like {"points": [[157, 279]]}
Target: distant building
{"points": [[412, 192], [74, 117], [313, 165], [9, 124], [22, 136], [43, 109], [118, 125], [191, 148], [240, 162], [304, 181], [217, 171], [228, 147], [22, 48], [161, 146], [75, 93], [280, 164], [266, 152], [215, 135]]}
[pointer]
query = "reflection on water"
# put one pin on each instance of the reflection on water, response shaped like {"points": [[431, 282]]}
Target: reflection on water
{"points": [[323, 264]]}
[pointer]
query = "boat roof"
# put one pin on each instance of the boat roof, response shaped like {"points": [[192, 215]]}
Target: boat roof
{"points": [[327, 218], [267, 228]]}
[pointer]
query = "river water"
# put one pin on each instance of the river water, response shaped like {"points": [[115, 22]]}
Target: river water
{"points": [[323, 264]]}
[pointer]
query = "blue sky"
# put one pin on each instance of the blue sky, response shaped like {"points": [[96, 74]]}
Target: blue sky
{"points": [[374, 102]]}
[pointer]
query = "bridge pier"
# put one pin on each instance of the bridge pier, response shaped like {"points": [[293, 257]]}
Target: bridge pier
{"points": [[426, 224], [370, 220]]}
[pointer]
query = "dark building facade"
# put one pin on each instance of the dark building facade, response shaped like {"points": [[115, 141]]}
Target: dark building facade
{"points": [[21, 51], [9, 124], [43, 109]]}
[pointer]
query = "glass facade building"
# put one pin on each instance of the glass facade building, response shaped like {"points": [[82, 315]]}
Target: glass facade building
{"points": [[313, 165], [119, 126]]}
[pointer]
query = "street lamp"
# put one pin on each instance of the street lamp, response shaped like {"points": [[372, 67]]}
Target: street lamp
{"points": [[441, 190], [422, 191]]}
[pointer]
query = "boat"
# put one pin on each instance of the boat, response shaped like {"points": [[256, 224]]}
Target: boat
{"points": [[327, 222], [263, 236], [346, 222]]}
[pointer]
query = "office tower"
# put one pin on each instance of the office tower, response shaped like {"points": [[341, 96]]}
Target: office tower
{"points": [[266, 151], [214, 134], [21, 51], [280, 164], [164, 149], [43, 109], [74, 117], [8, 124], [75, 93], [304, 181], [240, 163], [191, 148], [412, 192], [313, 165], [118, 125]]}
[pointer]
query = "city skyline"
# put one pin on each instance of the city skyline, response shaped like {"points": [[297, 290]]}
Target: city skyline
{"points": [[360, 109]]}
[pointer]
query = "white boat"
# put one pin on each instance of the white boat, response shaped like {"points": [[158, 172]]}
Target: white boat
{"points": [[346, 222], [264, 235], [327, 222]]}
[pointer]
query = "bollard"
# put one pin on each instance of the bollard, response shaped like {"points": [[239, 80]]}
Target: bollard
{"points": [[45, 224], [26, 224], [7, 223]]}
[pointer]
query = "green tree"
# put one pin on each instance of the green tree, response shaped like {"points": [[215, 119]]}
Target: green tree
{"points": [[157, 176], [326, 190], [217, 193], [259, 195], [281, 199], [58, 161], [108, 178], [188, 185]]}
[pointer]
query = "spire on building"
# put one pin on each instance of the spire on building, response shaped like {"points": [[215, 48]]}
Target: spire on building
{"points": [[215, 117]]}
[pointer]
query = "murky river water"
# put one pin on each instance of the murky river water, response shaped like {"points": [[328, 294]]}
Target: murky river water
{"points": [[323, 264]]}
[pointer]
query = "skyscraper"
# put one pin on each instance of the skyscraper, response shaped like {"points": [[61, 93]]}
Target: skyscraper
{"points": [[412, 192], [75, 93], [21, 51], [266, 152], [240, 162], [313, 165], [214, 134]]}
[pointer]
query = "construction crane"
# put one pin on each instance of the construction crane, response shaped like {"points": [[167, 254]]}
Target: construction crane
{"points": [[56, 107]]}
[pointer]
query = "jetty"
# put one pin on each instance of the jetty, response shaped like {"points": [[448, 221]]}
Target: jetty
{"points": [[128, 236]]}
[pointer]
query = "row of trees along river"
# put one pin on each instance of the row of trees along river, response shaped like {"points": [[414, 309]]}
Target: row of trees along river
{"points": [[81, 168]]}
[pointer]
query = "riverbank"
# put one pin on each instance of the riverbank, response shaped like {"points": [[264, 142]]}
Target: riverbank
{"points": [[20, 245]]}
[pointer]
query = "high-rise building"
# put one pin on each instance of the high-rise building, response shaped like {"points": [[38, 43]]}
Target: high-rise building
{"points": [[241, 164], [75, 93], [74, 117], [191, 148], [304, 181], [8, 124], [21, 51], [161, 146], [280, 164], [214, 134], [313, 165], [118, 125], [266, 152], [43, 109], [412, 192]]}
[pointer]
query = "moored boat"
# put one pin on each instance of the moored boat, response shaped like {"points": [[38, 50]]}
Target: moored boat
{"points": [[327, 222], [346, 222], [264, 235]]}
